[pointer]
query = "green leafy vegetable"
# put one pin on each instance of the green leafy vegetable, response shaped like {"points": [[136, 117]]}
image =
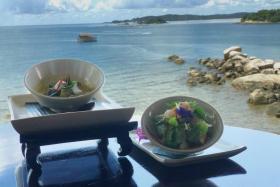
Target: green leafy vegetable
{"points": [[173, 121], [193, 104], [199, 112], [172, 137], [197, 133], [161, 130], [179, 131], [172, 104]]}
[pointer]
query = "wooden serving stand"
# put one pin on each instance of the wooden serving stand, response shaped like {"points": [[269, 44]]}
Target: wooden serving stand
{"points": [[31, 148]]}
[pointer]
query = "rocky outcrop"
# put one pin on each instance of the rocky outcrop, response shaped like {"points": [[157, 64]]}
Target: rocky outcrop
{"points": [[173, 58], [179, 61], [276, 66], [236, 64], [252, 66], [265, 87], [212, 63], [261, 96], [86, 37], [269, 71], [268, 63], [228, 50], [260, 77], [255, 81], [236, 53], [176, 59], [196, 76], [273, 109]]}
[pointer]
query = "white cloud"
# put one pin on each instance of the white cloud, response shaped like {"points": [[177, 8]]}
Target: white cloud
{"points": [[107, 4], [69, 5], [241, 2], [224, 2], [17, 12], [82, 4], [43, 6], [135, 4]]}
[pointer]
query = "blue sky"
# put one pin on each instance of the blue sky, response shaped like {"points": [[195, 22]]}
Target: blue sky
{"points": [[34, 12]]}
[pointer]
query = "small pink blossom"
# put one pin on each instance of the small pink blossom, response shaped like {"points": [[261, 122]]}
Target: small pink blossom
{"points": [[140, 134]]}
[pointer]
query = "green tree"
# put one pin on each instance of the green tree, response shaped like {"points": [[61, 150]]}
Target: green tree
{"points": [[272, 16]]}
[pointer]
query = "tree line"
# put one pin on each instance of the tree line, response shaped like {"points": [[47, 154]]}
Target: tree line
{"points": [[272, 16]]}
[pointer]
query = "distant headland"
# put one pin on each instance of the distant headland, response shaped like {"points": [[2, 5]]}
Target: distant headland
{"points": [[174, 17], [262, 16]]}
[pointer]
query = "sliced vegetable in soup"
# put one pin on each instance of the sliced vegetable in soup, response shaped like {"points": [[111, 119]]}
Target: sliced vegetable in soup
{"points": [[64, 88]]}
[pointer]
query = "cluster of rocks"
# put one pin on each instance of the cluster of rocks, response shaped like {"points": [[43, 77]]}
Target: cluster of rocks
{"points": [[241, 64], [260, 77], [264, 88], [236, 64], [274, 109], [262, 96], [198, 76], [176, 59]]}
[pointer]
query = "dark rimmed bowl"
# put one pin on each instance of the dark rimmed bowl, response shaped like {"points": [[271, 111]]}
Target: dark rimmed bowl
{"points": [[160, 106]]}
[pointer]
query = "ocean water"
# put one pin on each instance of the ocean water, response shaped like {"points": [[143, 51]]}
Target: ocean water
{"points": [[133, 59]]}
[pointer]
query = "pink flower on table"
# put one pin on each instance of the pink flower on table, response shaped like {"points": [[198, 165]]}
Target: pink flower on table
{"points": [[140, 134]]}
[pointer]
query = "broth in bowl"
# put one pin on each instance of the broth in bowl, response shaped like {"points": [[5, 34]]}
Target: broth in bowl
{"points": [[65, 87]]}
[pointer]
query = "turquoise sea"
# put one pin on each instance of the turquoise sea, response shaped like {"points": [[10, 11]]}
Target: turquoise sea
{"points": [[134, 61]]}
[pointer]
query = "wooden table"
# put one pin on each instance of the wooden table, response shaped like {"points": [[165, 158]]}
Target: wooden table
{"points": [[259, 165]]}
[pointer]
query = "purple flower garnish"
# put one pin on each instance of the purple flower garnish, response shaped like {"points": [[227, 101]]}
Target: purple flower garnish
{"points": [[186, 114], [183, 112], [140, 134]]}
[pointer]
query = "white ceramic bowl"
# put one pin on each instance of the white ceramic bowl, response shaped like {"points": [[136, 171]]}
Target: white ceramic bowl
{"points": [[160, 106], [51, 70]]}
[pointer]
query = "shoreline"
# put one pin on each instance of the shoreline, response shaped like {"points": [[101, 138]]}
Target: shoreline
{"points": [[209, 21], [257, 22]]}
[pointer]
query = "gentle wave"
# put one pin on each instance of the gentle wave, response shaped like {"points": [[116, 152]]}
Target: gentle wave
{"points": [[146, 33]]}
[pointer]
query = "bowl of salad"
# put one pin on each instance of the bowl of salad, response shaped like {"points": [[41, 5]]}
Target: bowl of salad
{"points": [[64, 84], [182, 125]]}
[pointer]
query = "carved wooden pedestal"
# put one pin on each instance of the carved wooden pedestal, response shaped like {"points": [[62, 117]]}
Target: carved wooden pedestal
{"points": [[31, 146]]}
